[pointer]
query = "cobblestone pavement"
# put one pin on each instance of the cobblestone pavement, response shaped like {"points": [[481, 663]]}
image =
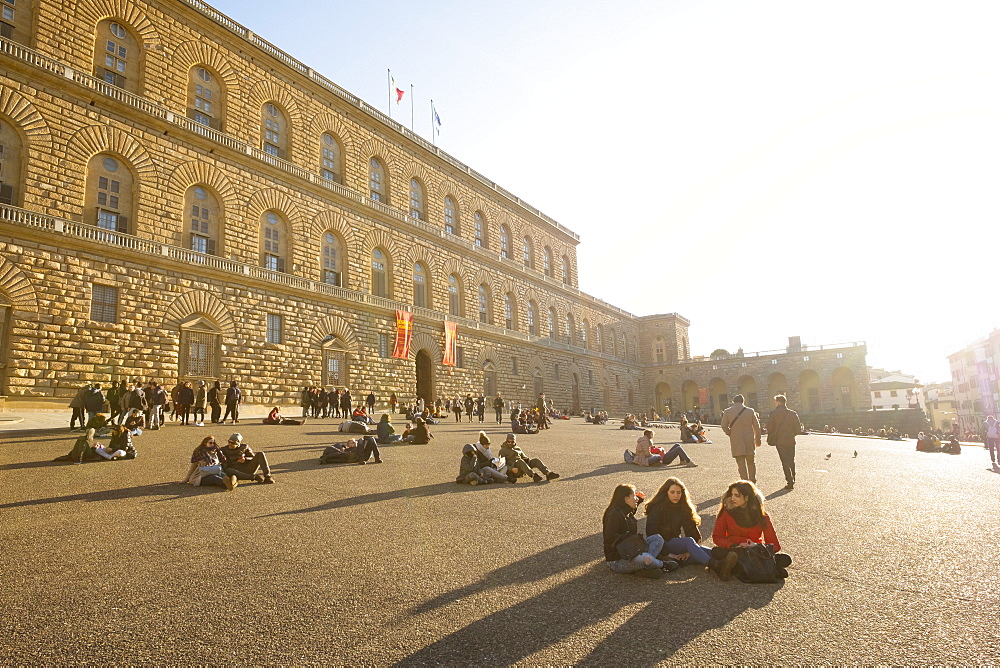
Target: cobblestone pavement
{"points": [[114, 562]]}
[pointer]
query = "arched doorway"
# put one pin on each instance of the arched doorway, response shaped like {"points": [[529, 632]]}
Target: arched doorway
{"points": [[843, 389], [663, 398], [748, 388], [718, 397], [607, 397], [689, 391], [575, 380], [538, 385], [777, 384], [489, 380], [425, 376], [809, 391]]}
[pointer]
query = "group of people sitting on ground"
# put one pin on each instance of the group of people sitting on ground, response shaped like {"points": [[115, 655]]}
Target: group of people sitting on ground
{"points": [[692, 432], [528, 421], [932, 443], [87, 449], [672, 534], [480, 466], [647, 454], [600, 417], [353, 451], [226, 467]]}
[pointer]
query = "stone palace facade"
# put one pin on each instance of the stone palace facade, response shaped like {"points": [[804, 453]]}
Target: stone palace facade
{"points": [[180, 199]]}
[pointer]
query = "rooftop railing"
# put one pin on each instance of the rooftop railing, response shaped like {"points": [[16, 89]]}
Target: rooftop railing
{"points": [[772, 353]]}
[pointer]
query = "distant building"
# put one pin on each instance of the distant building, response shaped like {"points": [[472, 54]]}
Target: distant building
{"points": [[976, 381], [941, 406], [893, 390]]}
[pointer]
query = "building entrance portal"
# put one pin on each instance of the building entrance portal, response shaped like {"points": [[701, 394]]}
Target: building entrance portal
{"points": [[425, 377]]}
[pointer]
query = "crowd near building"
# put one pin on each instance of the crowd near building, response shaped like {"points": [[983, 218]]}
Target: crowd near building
{"points": [[182, 200]]}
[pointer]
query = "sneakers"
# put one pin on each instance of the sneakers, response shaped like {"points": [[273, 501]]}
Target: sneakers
{"points": [[551, 475], [231, 482], [199, 424], [690, 464], [670, 565], [536, 477], [258, 478], [790, 485]]}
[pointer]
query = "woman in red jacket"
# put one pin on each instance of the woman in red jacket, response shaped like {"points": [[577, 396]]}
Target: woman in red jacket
{"points": [[743, 521]]}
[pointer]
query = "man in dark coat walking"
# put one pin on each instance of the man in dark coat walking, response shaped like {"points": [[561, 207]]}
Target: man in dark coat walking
{"points": [[782, 427]]}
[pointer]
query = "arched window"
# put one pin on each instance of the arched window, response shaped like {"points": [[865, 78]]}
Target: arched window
{"points": [[205, 98], [15, 20], [273, 131], [202, 220], [583, 333], [570, 329], [454, 295], [378, 187], [417, 200], [109, 193], [484, 304], [504, 242], [565, 270], [547, 261], [482, 238], [529, 260], [380, 273], [330, 167], [274, 237], [450, 216], [11, 165], [419, 285], [509, 313], [553, 324], [533, 318], [333, 260], [117, 55]]}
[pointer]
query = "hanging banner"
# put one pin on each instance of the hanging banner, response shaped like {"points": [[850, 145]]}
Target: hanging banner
{"points": [[404, 334], [703, 396], [450, 341]]}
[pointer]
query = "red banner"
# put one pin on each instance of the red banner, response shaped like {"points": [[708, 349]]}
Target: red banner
{"points": [[450, 341], [703, 396], [404, 333]]}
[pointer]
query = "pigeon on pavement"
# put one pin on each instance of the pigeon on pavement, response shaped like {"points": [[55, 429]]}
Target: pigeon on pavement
{"points": [[829, 455]]}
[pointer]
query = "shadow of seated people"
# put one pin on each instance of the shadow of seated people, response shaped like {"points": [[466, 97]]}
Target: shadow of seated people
{"points": [[662, 626], [409, 493], [174, 490]]}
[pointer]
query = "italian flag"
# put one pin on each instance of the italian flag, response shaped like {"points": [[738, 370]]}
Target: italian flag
{"points": [[399, 92]]}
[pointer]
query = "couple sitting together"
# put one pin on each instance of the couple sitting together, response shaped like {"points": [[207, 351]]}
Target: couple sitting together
{"points": [[86, 449], [226, 467], [479, 466]]}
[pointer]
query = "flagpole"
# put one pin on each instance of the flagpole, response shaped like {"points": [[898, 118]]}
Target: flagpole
{"points": [[433, 131], [411, 107], [388, 83]]}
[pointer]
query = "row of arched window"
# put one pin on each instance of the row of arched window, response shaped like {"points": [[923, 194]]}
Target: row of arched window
{"points": [[118, 61]]}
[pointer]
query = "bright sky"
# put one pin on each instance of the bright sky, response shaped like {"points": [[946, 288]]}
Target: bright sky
{"points": [[766, 169]]}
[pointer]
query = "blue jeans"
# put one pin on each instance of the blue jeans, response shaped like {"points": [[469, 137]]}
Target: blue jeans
{"points": [[675, 452], [699, 554], [654, 544]]}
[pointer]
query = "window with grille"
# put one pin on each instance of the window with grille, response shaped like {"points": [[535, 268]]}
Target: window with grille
{"points": [[273, 131], [104, 303], [199, 353], [274, 328], [460, 357], [513, 366], [272, 246], [383, 345]]}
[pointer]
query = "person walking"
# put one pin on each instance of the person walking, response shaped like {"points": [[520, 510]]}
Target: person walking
{"points": [[215, 401], [392, 403], [200, 404], [742, 425], [782, 428], [991, 432], [370, 402], [346, 404], [498, 408], [234, 397]]}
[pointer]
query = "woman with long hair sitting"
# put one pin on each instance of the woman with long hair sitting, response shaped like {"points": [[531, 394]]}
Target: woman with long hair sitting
{"points": [[669, 513], [619, 523], [742, 521]]}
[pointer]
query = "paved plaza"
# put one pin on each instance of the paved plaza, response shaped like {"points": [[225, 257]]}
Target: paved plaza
{"points": [[895, 557]]}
